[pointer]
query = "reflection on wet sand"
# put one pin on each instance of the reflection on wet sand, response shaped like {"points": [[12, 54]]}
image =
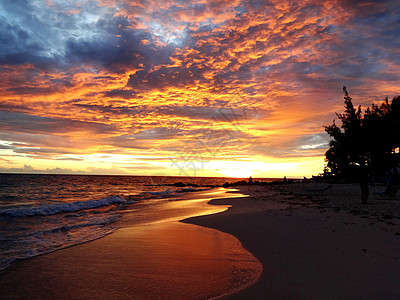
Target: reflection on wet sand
{"points": [[152, 256]]}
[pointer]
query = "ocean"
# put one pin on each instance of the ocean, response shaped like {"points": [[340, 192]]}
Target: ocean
{"points": [[44, 213]]}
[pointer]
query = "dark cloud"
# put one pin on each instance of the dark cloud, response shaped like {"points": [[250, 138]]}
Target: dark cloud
{"points": [[119, 93], [214, 113], [121, 110], [18, 122], [165, 77], [30, 169], [159, 133], [313, 141], [35, 140], [219, 114], [128, 142], [37, 151], [297, 146], [13, 107], [49, 37], [32, 90], [70, 159]]}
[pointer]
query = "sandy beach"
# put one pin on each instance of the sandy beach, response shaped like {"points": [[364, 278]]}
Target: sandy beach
{"points": [[291, 241], [313, 244]]}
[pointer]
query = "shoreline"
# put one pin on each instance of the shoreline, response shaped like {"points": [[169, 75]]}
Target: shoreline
{"points": [[309, 247], [152, 255]]}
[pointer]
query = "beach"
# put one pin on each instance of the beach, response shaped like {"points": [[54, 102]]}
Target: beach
{"points": [[292, 241], [314, 244]]}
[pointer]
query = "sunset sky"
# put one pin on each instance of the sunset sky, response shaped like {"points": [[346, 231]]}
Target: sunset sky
{"points": [[191, 88]]}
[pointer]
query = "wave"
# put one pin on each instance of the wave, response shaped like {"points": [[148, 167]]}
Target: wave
{"points": [[52, 209], [34, 230], [166, 193], [31, 237], [38, 243]]}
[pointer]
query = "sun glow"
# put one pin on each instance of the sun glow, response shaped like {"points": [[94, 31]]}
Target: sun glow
{"points": [[236, 169], [268, 168], [236, 173]]}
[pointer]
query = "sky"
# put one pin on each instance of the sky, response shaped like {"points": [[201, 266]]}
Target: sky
{"points": [[186, 88]]}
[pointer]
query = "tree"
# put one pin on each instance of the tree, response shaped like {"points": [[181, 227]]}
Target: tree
{"points": [[346, 149], [361, 141]]}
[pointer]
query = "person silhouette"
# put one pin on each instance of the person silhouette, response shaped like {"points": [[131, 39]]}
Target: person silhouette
{"points": [[364, 180]]}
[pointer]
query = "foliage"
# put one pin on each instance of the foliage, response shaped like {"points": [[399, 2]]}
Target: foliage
{"points": [[364, 140]]}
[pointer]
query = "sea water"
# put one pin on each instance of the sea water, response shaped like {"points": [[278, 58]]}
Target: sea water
{"points": [[43, 213]]}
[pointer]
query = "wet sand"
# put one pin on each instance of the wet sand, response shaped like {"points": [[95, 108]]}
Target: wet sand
{"points": [[152, 256], [310, 247]]}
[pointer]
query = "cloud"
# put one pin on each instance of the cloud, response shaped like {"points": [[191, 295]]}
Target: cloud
{"points": [[23, 123], [58, 170], [13, 107], [220, 42], [30, 169], [153, 76], [120, 93], [223, 113], [159, 133], [313, 141]]}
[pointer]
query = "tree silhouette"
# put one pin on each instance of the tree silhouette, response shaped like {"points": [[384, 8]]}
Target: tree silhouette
{"points": [[364, 141]]}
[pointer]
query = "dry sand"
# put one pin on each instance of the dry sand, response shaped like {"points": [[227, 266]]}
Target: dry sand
{"points": [[313, 244]]}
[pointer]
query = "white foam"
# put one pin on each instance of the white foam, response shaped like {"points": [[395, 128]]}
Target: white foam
{"points": [[52, 209], [55, 236]]}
